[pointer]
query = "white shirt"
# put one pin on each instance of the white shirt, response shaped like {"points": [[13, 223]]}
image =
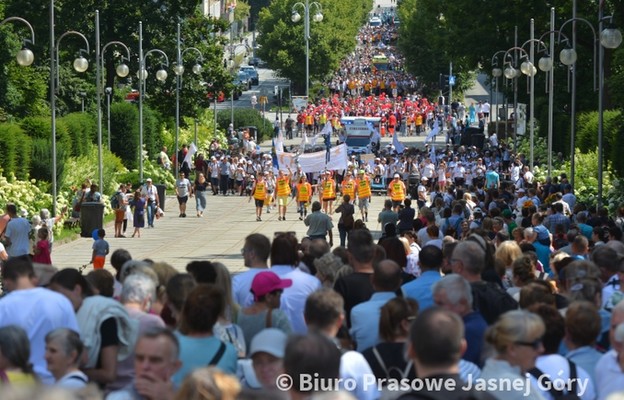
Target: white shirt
{"points": [[611, 378], [294, 297], [485, 107], [40, 312], [241, 286], [557, 367], [355, 368], [17, 231]]}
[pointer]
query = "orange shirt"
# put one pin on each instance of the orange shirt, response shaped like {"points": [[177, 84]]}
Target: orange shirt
{"points": [[348, 187], [304, 192], [260, 191], [283, 186], [396, 190], [363, 187]]}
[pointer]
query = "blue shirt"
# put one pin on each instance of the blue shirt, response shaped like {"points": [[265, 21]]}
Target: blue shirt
{"points": [[585, 357], [475, 327], [420, 289], [197, 352], [365, 320]]}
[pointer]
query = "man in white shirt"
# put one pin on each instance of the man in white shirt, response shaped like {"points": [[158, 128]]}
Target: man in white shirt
{"points": [[486, 110], [36, 310], [16, 234], [611, 377], [255, 255]]}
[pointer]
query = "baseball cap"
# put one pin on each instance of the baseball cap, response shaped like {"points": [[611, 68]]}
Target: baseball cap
{"points": [[477, 210], [397, 175], [361, 171], [148, 180], [266, 282], [506, 213], [270, 340], [424, 178]]}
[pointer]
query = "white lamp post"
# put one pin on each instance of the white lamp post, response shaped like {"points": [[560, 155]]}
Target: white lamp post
{"points": [[161, 75], [296, 17], [178, 69], [80, 65], [122, 71], [609, 38]]}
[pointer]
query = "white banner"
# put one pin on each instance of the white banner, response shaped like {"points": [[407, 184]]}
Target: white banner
{"points": [[299, 102], [315, 162]]}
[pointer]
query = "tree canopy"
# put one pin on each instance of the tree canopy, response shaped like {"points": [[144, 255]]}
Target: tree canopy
{"points": [[283, 42]]}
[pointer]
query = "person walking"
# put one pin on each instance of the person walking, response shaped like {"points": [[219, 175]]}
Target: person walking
{"points": [[259, 194], [201, 186], [183, 192], [139, 203], [150, 193], [320, 224], [304, 194], [283, 193], [346, 221]]}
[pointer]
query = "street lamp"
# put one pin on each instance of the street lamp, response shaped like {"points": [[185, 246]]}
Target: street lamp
{"points": [[109, 92], [122, 71], [80, 65], [25, 56], [296, 17], [161, 75], [178, 69], [609, 38], [497, 72]]}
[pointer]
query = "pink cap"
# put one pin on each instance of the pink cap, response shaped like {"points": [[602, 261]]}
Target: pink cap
{"points": [[266, 282]]}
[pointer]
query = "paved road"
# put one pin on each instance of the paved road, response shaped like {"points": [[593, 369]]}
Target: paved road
{"points": [[218, 236]]}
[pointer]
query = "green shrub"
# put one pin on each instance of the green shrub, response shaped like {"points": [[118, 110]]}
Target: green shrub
{"points": [[16, 148], [150, 170], [82, 130], [246, 117], [613, 141], [125, 133]]}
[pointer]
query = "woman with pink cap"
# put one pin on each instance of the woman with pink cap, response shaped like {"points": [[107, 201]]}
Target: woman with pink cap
{"points": [[267, 288]]}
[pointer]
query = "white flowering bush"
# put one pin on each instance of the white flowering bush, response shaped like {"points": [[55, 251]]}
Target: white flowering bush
{"points": [[26, 195]]}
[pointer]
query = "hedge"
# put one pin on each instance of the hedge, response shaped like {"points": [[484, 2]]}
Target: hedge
{"points": [[246, 117]]}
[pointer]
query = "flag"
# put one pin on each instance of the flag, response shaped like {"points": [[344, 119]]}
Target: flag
{"points": [[432, 154], [434, 131], [189, 156], [279, 143], [304, 141], [398, 146], [327, 129], [376, 136]]}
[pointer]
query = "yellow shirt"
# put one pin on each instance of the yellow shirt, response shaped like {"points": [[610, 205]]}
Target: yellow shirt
{"points": [[397, 190], [329, 189], [364, 188], [304, 192], [348, 187], [260, 192], [283, 186]]}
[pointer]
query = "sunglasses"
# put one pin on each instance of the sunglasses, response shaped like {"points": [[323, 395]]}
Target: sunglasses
{"points": [[536, 344]]}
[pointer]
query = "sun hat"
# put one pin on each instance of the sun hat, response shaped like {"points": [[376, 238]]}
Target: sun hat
{"points": [[266, 282]]}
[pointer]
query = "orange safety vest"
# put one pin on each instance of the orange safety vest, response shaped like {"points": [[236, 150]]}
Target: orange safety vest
{"points": [[304, 192], [309, 119], [260, 192], [364, 188], [283, 186], [348, 187], [329, 189], [397, 191]]}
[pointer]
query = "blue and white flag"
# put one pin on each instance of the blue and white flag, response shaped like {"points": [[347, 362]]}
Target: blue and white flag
{"points": [[432, 154], [398, 146], [434, 131]]}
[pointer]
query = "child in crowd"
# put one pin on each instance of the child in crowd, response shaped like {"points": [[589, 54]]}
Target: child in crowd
{"points": [[100, 250], [41, 250]]}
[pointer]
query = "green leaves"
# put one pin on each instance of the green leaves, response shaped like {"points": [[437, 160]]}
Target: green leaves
{"points": [[283, 41]]}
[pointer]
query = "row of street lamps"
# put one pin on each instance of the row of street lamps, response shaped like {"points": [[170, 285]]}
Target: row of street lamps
{"points": [[608, 38], [25, 57]]}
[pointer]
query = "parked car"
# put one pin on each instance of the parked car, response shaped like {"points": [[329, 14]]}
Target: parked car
{"points": [[251, 71], [255, 61]]}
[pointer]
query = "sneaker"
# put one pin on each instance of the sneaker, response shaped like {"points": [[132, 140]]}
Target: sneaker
{"points": [[284, 218], [180, 216], [300, 218], [279, 218], [268, 211], [183, 215], [258, 219]]}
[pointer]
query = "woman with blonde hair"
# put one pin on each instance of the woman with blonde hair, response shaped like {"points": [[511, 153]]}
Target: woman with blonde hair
{"points": [[507, 252], [516, 338], [208, 383]]}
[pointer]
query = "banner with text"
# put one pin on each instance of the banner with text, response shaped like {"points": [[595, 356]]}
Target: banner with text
{"points": [[315, 162]]}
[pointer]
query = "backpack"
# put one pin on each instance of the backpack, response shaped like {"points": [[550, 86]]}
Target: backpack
{"points": [[114, 201], [491, 300], [558, 394]]}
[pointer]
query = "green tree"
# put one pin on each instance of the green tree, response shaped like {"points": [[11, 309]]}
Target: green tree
{"points": [[283, 41]]}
